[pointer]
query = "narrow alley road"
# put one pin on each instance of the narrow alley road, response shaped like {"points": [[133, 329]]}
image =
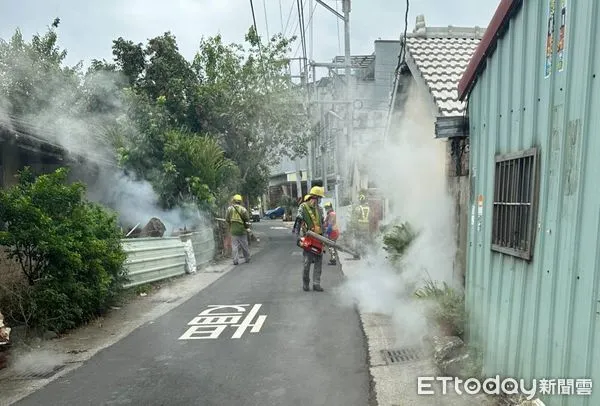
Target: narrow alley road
{"points": [[298, 348]]}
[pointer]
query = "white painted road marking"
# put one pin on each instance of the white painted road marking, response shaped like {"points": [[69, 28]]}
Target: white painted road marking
{"points": [[209, 326], [279, 228], [241, 328]]}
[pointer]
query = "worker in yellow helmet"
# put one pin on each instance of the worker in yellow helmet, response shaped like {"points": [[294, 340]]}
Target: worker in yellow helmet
{"points": [[360, 223], [298, 222], [311, 217], [239, 222]]}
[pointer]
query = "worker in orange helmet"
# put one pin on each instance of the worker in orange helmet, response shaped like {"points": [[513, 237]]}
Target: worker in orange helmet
{"points": [[332, 231]]}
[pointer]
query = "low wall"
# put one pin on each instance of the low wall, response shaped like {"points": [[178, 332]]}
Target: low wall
{"points": [[154, 259]]}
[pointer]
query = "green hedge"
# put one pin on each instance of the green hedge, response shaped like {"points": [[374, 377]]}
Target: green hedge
{"points": [[69, 250]]}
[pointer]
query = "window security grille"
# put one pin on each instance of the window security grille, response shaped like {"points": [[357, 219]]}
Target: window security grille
{"points": [[515, 198]]}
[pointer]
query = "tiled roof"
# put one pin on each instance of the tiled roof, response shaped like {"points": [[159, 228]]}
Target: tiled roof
{"points": [[441, 55]]}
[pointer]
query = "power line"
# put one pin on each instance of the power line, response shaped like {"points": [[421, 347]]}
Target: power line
{"points": [[296, 26], [253, 17], [259, 45], [309, 21], [266, 18], [302, 26], [337, 24], [300, 15], [402, 57], [293, 32], [401, 62], [281, 16], [288, 19]]}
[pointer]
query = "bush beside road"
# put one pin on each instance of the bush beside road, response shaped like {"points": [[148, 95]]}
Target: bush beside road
{"points": [[67, 251]]}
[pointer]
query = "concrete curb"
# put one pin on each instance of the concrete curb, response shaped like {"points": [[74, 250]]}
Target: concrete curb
{"points": [[394, 384], [372, 389]]}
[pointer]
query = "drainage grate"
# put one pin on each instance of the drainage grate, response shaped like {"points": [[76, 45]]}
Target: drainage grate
{"points": [[403, 355], [39, 373]]}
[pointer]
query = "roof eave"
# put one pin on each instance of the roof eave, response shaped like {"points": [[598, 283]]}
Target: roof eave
{"points": [[505, 11]]}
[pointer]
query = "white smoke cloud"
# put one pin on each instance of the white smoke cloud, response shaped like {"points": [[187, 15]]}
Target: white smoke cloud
{"points": [[37, 360], [410, 172], [84, 137], [137, 202]]}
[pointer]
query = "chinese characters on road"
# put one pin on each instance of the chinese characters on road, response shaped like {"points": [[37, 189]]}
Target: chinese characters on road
{"points": [[212, 322]]}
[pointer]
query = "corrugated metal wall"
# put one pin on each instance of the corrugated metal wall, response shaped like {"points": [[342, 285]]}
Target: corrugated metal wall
{"points": [[154, 259], [203, 242], [540, 319]]}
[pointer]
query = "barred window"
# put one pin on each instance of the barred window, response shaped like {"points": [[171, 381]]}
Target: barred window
{"points": [[515, 203]]}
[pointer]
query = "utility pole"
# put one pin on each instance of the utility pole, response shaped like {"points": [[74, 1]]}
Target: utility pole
{"points": [[309, 157], [346, 8], [304, 81], [310, 35], [349, 84], [348, 67]]}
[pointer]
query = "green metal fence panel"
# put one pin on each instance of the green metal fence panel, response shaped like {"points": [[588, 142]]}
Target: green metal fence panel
{"points": [[153, 259], [203, 242]]}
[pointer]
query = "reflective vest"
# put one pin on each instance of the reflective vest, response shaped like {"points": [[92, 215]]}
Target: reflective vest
{"points": [[235, 216], [314, 215], [364, 214]]}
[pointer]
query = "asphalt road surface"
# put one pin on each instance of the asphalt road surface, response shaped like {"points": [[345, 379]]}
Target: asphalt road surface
{"points": [[308, 350]]}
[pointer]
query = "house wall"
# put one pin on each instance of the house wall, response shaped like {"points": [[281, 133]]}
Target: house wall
{"points": [[457, 170], [9, 164], [386, 60], [540, 318], [13, 159]]}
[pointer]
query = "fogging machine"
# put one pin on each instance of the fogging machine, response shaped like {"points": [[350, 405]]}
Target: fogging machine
{"points": [[314, 242]]}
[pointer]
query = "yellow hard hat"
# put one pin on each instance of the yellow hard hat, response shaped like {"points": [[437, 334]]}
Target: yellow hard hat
{"points": [[237, 198], [362, 197], [328, 204], [306, 198], [317, 191]]}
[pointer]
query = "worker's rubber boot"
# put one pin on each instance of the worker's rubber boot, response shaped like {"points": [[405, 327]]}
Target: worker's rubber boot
{"points": [[306, 286], [318, 288], [332, 262]]}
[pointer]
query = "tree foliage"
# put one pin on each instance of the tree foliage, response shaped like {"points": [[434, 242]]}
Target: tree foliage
{"points": [[251, 104], [397, 239], [33, 77], [150, 98], [68, 249]]}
